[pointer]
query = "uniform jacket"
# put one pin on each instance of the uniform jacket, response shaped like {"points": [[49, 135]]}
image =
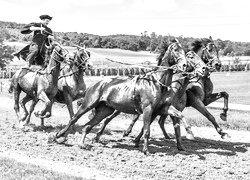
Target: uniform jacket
{"points": [[39, 36]]}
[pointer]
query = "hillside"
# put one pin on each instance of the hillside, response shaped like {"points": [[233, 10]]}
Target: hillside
{"points": [[10, 31]]}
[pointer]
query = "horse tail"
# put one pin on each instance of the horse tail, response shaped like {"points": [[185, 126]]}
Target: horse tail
{"points": [[12, 84]]}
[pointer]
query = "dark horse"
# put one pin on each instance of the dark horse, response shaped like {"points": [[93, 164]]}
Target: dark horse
{"points": [[140, 94], [200, 93], [197, 67], [200, 90], [71, 85], [37, 85]]}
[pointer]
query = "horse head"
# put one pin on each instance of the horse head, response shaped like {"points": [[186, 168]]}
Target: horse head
{"points": [[195, 64], [58, 54], [208, 52], [82, 59], [174, 56]]}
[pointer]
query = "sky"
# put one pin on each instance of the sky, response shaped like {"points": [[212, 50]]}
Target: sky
{"points": [[221, 19]]}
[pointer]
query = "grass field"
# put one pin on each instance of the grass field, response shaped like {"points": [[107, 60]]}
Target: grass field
{"points": [[11, 169], [236, 84]]}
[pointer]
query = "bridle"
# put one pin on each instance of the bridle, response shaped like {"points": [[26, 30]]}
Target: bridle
{"points": [[75, 61], [195, 65], [205, 55], [82, 59], [176, 59]]}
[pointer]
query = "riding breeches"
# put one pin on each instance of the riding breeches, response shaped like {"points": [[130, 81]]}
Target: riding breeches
{"points": [[33, 51]]}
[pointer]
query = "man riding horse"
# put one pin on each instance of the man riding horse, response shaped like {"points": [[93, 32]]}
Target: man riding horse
{"points": [[35, 52]]}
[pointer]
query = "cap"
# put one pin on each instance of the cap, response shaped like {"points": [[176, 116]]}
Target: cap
{"points": [[45, 17]]}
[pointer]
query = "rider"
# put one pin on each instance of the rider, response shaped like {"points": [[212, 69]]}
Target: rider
{"points": [[42, 35]]}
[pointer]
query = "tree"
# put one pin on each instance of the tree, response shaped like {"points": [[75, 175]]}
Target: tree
{"points": [[5, 54], [97, 42]]}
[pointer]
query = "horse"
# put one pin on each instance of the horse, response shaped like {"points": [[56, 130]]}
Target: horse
{"points": [[199, 92], [71, 85], [142, 94], [179, 84], [37, 85]]}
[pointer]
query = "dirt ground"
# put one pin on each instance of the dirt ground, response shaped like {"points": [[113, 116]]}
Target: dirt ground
{"points": [[207, 157]]}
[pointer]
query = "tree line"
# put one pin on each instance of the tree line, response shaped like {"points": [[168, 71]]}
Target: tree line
{"points": [[10, 31]]}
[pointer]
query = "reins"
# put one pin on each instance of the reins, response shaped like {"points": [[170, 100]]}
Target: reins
{"points": [[78, 66]]}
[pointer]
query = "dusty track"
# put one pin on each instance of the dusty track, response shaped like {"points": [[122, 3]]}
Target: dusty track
{"points": [[208, 157]]}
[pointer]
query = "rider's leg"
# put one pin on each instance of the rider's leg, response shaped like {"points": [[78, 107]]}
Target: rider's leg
{"points": [[34, 48]]}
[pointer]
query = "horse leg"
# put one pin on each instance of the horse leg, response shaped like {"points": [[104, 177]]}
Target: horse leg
{"points": [[176, 117], [177, 130], [17, 92], [214, 97], [137, 139], [48, 112], [84, 108], [47, 105], [161, 124], [147, 120], [196, 103], [23, 102], [68, 101], [100, 132], [189, 134], [32, 107], [101, 112], [128, 131]]}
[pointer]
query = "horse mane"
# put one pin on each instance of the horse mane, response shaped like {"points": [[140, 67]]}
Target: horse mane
{"points": [[199, 43], [163, 50]]}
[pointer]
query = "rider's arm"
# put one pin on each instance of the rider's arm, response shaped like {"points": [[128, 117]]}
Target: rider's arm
{"points": [[27, 29], [33, 28]]}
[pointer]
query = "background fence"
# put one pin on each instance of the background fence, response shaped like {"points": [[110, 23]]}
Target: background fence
{"points": [[107, 68]]}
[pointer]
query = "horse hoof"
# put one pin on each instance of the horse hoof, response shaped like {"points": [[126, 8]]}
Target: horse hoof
{"points": [[146, 152], [96, 139], [82, 146], [181, 148], [225, 136], [60, 140], [136, 144], [190, 136], [223, 116], [51, 138], [125, 134]]}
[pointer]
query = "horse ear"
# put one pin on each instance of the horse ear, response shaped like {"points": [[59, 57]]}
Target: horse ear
{"points": [[210, 37]]}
